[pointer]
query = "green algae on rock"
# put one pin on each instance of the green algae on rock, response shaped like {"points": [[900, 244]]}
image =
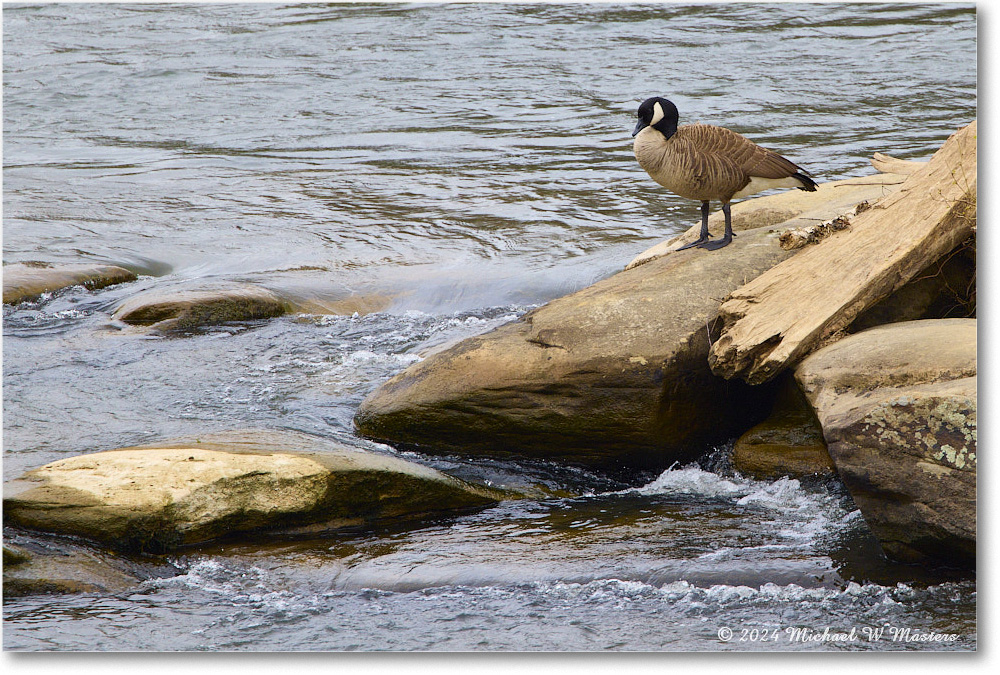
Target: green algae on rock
{"points": [[188, 309]]}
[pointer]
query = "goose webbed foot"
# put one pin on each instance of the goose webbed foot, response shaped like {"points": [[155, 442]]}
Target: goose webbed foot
{"points": [[715, 244], [703, 234], [727, 238], [697, 242]]}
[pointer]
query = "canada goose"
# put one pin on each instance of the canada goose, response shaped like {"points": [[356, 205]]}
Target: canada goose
{"points": [[705, 162]]}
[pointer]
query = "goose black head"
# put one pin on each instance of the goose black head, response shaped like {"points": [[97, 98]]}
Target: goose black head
{"points": [[658, 113]]}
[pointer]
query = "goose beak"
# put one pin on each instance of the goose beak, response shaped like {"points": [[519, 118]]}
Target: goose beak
{"points": [[639, 127]]}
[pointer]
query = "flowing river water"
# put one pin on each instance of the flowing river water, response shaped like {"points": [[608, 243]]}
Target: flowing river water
{"points": [[453, 166]]}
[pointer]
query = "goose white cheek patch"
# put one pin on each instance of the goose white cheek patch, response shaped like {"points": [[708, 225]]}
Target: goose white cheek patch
{"points": [[657, 113]]}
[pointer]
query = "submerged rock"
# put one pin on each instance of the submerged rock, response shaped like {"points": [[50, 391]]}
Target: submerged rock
{"points": [[188, 309], [612, 376], [898, 408], [343, 306], [28, 281], [14, 555], [162, 497], [788, 443], [50, 566]]}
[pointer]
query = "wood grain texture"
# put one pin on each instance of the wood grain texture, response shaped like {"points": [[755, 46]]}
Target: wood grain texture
{"points": [[778, 318], [887, 164]]}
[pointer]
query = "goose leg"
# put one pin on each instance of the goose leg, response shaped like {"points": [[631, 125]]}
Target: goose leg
{"points": [[727, 237], [703, 237]]}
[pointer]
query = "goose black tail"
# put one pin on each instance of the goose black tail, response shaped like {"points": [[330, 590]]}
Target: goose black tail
{"points": [[808, 184]]}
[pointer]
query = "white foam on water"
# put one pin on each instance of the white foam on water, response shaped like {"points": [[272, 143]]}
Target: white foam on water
{"points": [[365, 357], [249, 588], [784, 494], [357, 365], [725, 595], [253, 585], [214, 577], [69, 314], [797, 517], [692, 480]]}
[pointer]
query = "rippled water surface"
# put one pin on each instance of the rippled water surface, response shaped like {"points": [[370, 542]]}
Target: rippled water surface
{"points": [[453, 166]]}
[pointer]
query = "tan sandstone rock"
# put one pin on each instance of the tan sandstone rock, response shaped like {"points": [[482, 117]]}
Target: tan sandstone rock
{"points": [[159, 498], [898, 408], [612, 376], [788, 443], [616, 375]]}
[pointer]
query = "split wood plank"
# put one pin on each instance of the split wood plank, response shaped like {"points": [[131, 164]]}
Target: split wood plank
{"points": [[775, 320]]}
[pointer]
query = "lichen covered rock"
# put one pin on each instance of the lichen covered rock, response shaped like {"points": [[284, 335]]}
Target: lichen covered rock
{"points": [[897, 404]]}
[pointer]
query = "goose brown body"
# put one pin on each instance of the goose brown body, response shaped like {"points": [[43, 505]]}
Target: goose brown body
{"points": [[705, 162]]}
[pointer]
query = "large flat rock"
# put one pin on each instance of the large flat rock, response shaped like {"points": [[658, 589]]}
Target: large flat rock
{"points": [[160, 498], [612, 376], [897, 404]]}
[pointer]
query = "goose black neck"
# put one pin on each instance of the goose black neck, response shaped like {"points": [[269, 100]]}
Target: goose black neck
{"points": [[666, 126]]}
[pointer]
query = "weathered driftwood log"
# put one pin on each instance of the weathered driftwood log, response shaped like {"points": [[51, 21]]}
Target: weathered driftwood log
{"points": [[778, 318], [887, 164], [792, 209]]}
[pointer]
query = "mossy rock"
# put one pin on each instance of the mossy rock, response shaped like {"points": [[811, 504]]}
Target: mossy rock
{"points": [[189, 309]]}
